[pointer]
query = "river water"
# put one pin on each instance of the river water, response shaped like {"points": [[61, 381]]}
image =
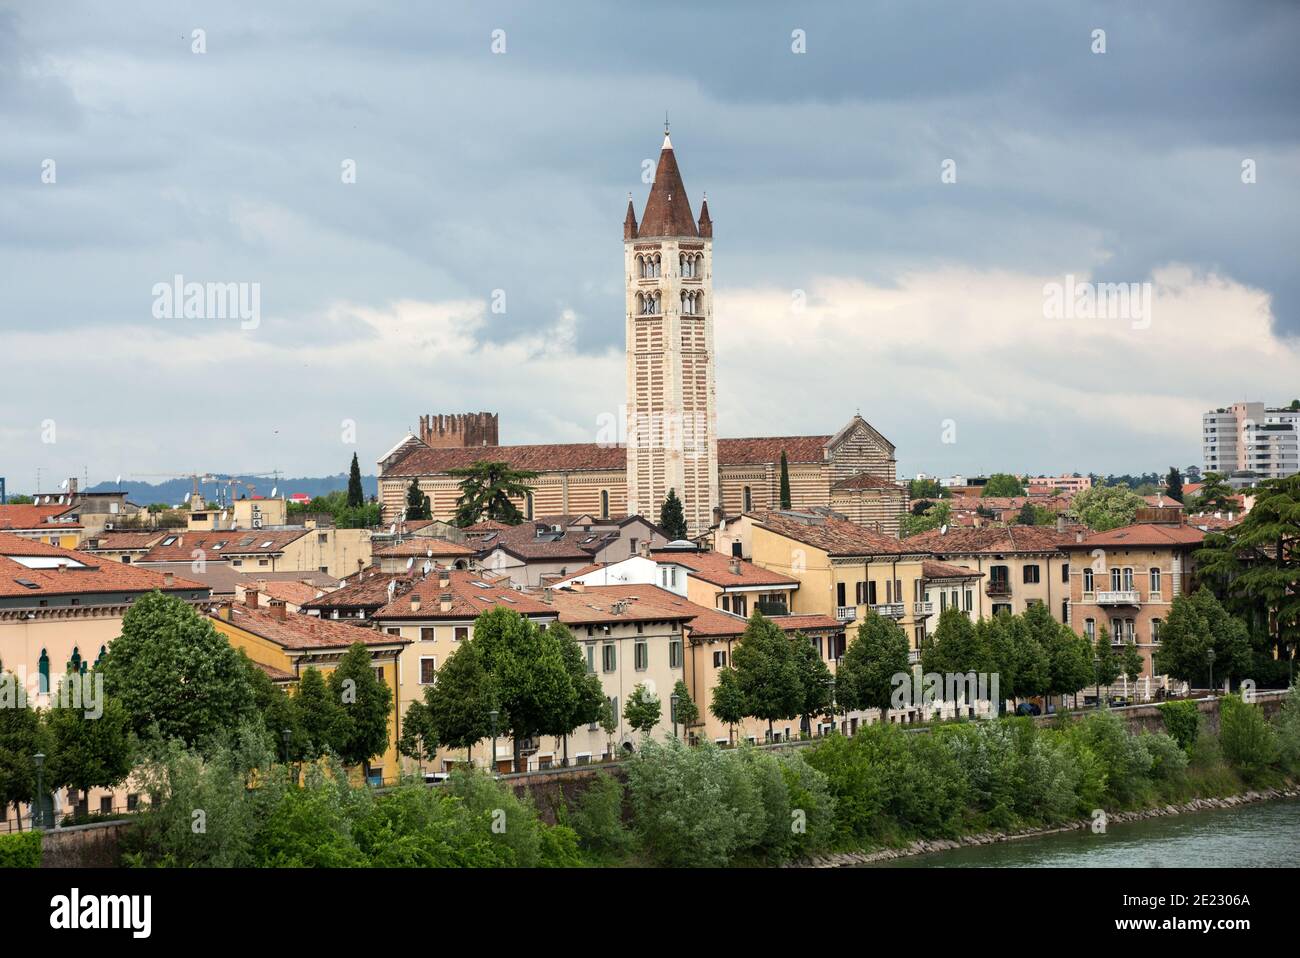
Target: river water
{"points": [[1265, 835]]}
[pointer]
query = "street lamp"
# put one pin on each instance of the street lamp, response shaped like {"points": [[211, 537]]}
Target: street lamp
{"points": [[38, 819], [1209, 657], [672, 705], [492, 718], [832, 715]]}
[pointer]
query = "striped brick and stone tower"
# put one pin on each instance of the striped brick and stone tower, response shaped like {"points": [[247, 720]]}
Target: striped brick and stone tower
{"points": [[671, 411]]}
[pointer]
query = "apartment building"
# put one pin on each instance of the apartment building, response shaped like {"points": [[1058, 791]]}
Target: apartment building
{"points": [[1253, 440], [285, 644], [336, 552], [1126, 579], [1020, 565], [434, 614]]}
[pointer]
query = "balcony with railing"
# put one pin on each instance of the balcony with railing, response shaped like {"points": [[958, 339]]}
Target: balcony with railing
{"points": [[890, 610], [923, 608], [998, 587], [1118, 597], [846, 613]]}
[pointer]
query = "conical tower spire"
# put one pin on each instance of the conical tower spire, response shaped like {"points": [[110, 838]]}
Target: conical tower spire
{"points": [[629, 221], [667, 210]]}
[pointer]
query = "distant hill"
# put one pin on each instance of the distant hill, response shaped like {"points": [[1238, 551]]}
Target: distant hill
{"points": [[174, 491]]}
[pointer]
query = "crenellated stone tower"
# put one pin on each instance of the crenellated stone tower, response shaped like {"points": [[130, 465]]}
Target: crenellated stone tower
{"points": [[671, 410]]}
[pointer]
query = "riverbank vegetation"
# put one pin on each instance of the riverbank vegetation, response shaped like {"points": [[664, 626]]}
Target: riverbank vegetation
{"points": [[678, 805]]}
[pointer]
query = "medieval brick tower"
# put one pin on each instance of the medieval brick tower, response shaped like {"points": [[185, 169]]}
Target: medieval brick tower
{"points": [[671, 411]]}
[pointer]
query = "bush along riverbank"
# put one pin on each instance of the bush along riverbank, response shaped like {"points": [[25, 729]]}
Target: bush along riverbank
{"points": [[842, 800]]}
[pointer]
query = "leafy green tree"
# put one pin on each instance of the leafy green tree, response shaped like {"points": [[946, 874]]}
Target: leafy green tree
{"points": [[1107, 507], [609, 725], [815, 680], [1247, 740], [1023, 667], [317, 711], [20, 500], [1174, 484], [1069, 655], [785, 482], [1106, 665], [1003, 484], [176, 674], [22, 735], [864, 678], [1256, 563], [1215, 495], [356, 495], [936, 515], [87, 750], [279, 711], [417, 503], [687, 712], [728, 703], [1131, 663], [419, 738], [767, 671], [642, 709], [487, 490], [588, 698], [530, 678], [360, 729], [956, 647], [925, 489], [672, 517], [1198, 623], [462, 698]]}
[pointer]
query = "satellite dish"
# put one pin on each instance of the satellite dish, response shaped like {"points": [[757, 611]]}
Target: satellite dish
{"points": [[342, 583], [392, 530], [428, 567], [223, 515], [410, 562], [429, 552], [63, 484], [392, 587], [119, 480], [273, 488]]}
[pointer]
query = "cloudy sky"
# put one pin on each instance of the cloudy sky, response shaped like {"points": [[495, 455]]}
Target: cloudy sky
{"points": [[849, 276]]}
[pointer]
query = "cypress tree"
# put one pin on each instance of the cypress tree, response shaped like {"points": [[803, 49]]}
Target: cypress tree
{"points": [[356, 496], [785, 482], [672, 517]]}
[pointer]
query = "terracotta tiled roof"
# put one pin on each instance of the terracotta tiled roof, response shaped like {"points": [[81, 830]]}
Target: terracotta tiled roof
{"points": [[295, 593], [667, 209], [420, 460], [1143, 534], [716, 624], [275, 675], [837, 537], [134, 540], [715, 568], [365, 590], [424, 547], [865, 480], [297, 632], [604, 604], [28, 516], [180, 545], [933, 569], [472, 594], [991, 539], [759, 450], [85, 574]]}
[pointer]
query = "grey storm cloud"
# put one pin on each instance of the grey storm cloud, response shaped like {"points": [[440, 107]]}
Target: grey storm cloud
{"points": [[479, 172]]}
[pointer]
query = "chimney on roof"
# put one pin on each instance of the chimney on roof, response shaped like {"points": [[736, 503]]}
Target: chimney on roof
{"points": [[169, 579], [1229, 515], [735, 566], [1060, 522], [278, 609], [1078, 535], [250, 597], [227, 610], [415, 603], [444, 578], [63, 565], [444, 602], [547, 595]]}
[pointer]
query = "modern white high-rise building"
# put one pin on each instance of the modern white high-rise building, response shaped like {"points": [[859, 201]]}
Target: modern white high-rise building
{"points": [[1250, 439]]}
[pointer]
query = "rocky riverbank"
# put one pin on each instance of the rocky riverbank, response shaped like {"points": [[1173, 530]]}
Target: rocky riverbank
{"points": [[924, 846]]}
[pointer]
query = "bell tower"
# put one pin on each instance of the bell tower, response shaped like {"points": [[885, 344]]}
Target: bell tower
{"points": [[671, 410]]}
